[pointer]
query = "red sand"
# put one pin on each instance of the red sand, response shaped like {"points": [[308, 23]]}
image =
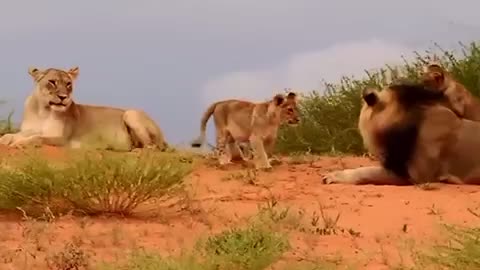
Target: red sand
{"points": [[386, 217]]}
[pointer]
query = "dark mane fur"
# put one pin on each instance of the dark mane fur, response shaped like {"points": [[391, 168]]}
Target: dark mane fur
{"points": [[399, 141], [416, 94]]}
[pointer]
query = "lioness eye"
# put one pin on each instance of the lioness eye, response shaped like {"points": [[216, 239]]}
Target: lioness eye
{"points": [[52, 82], [290, 110], [69, 84]]}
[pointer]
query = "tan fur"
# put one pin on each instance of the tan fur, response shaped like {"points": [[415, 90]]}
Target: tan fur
{"points": [[238, 121], [462, 101], [446, 149], [52, 117]]}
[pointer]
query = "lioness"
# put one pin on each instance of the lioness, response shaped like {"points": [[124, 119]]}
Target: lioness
{"points": [[242, 121], [417, 137], [52, 117], [462, 101]]}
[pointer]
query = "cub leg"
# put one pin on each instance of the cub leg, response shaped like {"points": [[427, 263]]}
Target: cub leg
{"points": [[235, 149], [146, 132], [260, 156], [269, 147], [223, 149]]}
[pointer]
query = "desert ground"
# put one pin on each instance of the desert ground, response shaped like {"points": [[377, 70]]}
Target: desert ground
{"points": [[363, 227]]}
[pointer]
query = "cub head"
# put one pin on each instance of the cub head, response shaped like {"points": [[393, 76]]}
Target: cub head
{"points": [[435, 76], [288, 108], [54, 86], [390, 120]]}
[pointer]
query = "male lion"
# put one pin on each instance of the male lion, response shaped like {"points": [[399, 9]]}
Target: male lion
{"points": [[417, 137], [238, 121], [462, 101], [52, 117]]}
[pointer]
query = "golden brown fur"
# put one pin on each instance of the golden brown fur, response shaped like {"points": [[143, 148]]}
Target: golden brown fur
{"points": [[417, 137], [52, 117], [243, 121], [462, 101]]}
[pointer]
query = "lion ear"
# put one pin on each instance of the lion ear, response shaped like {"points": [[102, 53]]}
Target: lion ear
{"points": [[73, 72], [278, 99], [292, 96], [35, 73], [369, 95]]}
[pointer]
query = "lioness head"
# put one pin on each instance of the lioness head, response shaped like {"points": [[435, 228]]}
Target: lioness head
{"points": [[289, 112], [435, 76], [390, 120], [55, 86]]}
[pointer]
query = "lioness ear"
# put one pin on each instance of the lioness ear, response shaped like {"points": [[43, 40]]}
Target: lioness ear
{"points": [[35, 73], [73, 72], [278, 99], [369, 96]]}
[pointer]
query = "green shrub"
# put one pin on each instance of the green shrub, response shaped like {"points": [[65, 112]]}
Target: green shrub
{"points": [[461, 252], [145, 260], [329, 121], [91, 183], [251, 248]]}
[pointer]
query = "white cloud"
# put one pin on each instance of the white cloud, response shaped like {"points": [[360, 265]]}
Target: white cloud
{"points": [[304, 71]]}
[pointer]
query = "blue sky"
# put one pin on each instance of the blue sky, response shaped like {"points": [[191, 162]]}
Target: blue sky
{"points": [[173, 58]]}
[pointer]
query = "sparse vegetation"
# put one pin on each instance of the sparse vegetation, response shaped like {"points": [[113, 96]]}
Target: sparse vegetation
{"points": [[103, 182], [329, 122], [7, 126], [252, 248], [462, 251]]}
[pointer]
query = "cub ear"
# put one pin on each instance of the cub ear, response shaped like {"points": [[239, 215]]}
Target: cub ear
{"points": [[73, 72], [278, 99], [35, 73], [439, 77]]}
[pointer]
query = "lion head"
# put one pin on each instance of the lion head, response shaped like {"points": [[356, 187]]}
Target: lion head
{"points": [[287, 108], [390, 121], [54, 86]]}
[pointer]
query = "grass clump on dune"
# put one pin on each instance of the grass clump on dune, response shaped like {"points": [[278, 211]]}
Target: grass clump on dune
{"points": [[91, 182]]}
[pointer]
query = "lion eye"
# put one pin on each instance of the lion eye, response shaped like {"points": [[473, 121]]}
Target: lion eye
{"points": [[290, 110], [52, 82], [69, 84]]}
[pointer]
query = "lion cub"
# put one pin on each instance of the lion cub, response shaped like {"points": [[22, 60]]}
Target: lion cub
{"points": [[239, 121], [463, 103]]}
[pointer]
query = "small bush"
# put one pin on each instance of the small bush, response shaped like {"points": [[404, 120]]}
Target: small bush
{"points": [[73, 257], [144, 260], [252, 248], [92, 183]]}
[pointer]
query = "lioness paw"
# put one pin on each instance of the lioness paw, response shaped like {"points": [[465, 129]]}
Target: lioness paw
{"points": [[7, 139]]}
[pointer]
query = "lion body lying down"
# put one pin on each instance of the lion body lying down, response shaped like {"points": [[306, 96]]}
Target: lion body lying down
{"points": [[417, 137]]}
